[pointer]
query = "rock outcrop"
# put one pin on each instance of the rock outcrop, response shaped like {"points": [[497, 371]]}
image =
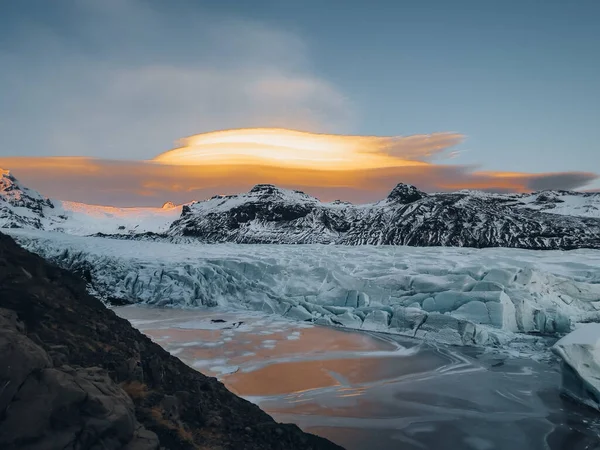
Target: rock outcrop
{"points": [[73, 375]]}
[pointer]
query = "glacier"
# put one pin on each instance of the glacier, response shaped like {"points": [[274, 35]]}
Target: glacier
{"points": [[454, 295]]}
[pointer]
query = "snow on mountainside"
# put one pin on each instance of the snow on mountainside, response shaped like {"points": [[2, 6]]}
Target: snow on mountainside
{"points": [[85, 219], [268, 214], [21, 207], [585, 204]]}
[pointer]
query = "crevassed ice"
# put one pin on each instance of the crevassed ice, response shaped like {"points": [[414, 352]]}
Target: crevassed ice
{"points": [[454, 295]]}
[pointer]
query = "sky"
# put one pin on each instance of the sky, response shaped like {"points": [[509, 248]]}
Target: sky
{"points": [[93, 91]]}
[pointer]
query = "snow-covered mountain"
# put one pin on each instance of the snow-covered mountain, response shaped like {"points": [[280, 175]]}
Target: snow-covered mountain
{"points": [[268, 214], [21, 207]]}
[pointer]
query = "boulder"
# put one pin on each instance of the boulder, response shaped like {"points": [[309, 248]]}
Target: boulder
{"points": [[60, 407]]}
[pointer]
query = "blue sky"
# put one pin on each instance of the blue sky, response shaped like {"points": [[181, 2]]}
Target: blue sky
{"points": [[123, 79]]}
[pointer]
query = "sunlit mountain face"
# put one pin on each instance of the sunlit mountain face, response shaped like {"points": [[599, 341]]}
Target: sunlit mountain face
{"points": [[302, 150]]}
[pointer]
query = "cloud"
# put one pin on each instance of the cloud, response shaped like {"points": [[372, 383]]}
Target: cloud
{"points": [[297, 149], [562, 181], [120, 79], [138, 183]]}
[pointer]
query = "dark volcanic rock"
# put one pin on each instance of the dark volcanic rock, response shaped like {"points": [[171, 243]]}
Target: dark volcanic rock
{"points": [[405, 193], [76, 376], [56, 408]]}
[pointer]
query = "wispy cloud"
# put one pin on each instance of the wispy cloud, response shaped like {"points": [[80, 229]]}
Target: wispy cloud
{"points": [[131, 77]]}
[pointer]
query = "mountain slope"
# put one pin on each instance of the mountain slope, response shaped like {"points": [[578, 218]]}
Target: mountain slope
{"points": [[268, 214], [21, 207], [75, 375]]}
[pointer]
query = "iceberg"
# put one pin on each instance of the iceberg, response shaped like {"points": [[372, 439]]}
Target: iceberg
{"points": [[579, 352]]}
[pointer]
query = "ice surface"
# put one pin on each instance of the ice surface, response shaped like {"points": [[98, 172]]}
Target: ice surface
{"points": [[580, 354], [456, 295]]}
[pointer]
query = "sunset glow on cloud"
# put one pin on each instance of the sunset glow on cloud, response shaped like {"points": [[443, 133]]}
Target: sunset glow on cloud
{"points": [[353, 168], [302, 150]]}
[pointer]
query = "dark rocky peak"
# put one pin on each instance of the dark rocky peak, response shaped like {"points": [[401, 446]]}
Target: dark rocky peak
{"points": [[549, 197], [270, 191], [405, 193], [9, 186], [341, 202], [265, 189]]}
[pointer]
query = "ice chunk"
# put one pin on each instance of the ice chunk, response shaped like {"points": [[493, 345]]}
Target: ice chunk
{"points": [[474, 311], [326, 321], [445, 328], [580, 360], [299, 313], [355, 299], [348, 320], [408, 318], [376, 320], [431, 283], [501, 276], [487, 286]]}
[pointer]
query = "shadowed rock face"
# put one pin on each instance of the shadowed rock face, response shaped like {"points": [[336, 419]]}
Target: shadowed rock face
{"points": [[50, 407], [76, 376], [405, 193]]}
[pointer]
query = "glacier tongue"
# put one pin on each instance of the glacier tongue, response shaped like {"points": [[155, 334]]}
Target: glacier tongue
{"points": [[456, 295]]}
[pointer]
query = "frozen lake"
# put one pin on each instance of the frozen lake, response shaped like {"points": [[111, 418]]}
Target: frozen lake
{"points": [[367, 390]]}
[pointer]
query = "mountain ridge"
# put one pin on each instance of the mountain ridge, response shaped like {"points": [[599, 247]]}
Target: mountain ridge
{"points": [[268, 214]]}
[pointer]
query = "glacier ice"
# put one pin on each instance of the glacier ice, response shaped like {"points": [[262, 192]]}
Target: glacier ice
{"points": [[456, 295], [580, 355]]}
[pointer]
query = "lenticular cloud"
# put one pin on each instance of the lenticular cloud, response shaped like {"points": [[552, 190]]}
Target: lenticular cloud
{"points": [[288, 148]]}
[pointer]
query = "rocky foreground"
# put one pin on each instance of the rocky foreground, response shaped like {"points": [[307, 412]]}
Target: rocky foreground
{"points": [[73, 375]]}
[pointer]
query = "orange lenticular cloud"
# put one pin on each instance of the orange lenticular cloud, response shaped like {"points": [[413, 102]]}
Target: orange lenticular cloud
{"points": [[302, 150]]}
